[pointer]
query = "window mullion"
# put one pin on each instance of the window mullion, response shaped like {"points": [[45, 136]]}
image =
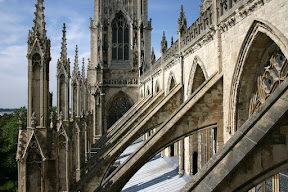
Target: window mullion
{"points": [[123, 34], [117, 44]]}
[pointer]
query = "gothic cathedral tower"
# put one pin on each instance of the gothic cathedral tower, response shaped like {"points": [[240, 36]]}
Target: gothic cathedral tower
{"points": [[120, 52], [35, 150]]}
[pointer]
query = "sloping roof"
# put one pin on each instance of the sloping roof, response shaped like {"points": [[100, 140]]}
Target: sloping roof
{"points": [[156, 175]]}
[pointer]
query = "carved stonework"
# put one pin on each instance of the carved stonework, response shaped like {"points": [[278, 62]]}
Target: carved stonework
{"points": [[275, 73], [117, 109], [120, 81]]}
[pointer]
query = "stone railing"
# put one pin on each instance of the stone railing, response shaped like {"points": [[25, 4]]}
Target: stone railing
{"points": [[225, 7], [203, 29], [198, 29], [120, 81], [172, 51], [157, 64]]}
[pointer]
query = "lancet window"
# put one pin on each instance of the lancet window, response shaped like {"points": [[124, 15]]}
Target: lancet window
{"points": [[120, 38]]}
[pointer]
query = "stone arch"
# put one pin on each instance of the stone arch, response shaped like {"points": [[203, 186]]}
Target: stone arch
{"points": [[147, 90], [141, 94], [63, 159], [157, 87], [119, 43], [34, 172], [261, 41], [198, 75], [117, 107], [62, 97], [171, 82], [34, 158], [120, 11]]}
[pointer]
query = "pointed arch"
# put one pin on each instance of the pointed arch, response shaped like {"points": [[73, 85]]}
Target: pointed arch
{"points": [[122, 11], [120, 27], [197, 76], [33, 143], [157, 87], [261, 41], [141, 94], [62, 94], [118, 105], [34, 157], [147, 90], [171, 82], [63, 164]]}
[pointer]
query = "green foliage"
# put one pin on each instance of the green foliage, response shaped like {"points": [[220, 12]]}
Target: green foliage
{"points": [[52, 109], [8, 142]]}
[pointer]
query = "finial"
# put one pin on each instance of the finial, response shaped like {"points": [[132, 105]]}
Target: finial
{"points": [[52, 119], [172, 41], [64, 45], [33, 120], [83, 69], [163, 43], [39, 23], [60, 116], [182, 22], [64, 27], [20, 121], [76, 63]]}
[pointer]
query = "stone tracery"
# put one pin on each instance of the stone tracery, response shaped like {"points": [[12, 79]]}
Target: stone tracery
{"points": [[275, 72]]}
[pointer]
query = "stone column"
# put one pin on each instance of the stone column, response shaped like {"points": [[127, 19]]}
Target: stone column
{"points": [[78, 170], [275, 183], [181, 157]]}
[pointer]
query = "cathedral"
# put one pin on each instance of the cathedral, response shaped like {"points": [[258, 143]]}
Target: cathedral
{"points": [[217, 99]]}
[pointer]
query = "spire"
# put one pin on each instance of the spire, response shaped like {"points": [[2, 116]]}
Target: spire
{"points": [[76, 72], [64, 45], [163, 43], [182, 22], [83, 70], [89, 63], [39, 23], [63, 61], [76, 62]]}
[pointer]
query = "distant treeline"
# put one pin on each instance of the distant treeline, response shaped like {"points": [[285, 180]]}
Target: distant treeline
{"points": [[3, 110]]}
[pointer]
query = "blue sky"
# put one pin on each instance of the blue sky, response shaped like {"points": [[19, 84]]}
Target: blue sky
{"points": [[16, 18]]}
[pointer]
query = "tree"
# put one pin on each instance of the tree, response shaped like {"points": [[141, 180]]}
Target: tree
{"points": [[8, 142]]}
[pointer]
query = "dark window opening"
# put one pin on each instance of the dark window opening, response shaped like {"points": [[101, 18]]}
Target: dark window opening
{"points": [[120, 38], [195, 163], [172, 150], [120, 105]]}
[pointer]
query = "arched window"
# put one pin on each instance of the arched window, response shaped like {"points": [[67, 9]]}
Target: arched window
{"points": [[62, 94], [199, 78], [119, 106], [36, 82], [120, 38], [172, 83]]}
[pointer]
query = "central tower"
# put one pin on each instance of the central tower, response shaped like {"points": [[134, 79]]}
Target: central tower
{"points": [[120, 52]]}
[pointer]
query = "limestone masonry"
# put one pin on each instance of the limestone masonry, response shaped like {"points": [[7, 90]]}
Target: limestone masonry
{"points": [[217, 99]]}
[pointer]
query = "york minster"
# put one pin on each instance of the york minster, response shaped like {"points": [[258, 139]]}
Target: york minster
{"points": [[214, 103]]}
